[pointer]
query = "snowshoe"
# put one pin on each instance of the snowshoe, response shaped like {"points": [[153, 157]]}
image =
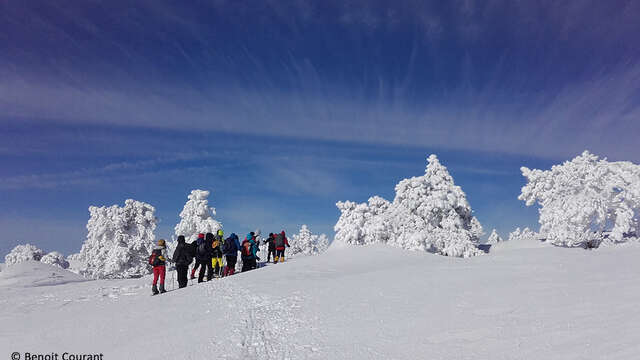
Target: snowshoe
{"points": [[154, 290]]}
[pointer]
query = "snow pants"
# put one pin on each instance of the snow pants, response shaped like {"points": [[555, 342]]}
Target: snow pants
{"points": [[216, 264], [159, 272], [182, 271], [279, 256], [231, 265], [248, 264], [205, 265], [272, 252]]}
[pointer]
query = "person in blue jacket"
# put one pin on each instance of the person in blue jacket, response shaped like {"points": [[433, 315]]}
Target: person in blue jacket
{"points": [[230, 249]]}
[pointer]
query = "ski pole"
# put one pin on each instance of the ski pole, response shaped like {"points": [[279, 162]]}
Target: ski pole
{"points": [[173, 283]]}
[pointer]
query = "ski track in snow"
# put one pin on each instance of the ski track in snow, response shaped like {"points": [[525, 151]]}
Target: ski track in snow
{"points": [[264, 326]]}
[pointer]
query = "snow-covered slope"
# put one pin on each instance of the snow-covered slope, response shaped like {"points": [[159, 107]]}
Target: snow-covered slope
{"points": [[35, 273], [525, 300]]}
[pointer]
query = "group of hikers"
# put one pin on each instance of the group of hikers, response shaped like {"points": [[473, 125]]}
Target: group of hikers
{"points": [[209, 251]]}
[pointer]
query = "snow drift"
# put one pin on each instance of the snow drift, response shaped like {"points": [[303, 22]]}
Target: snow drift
{"points": [[34, 273]]}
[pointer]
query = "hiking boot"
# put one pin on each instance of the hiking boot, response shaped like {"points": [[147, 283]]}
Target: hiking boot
{"points": [[162, 290], [154, 290]]}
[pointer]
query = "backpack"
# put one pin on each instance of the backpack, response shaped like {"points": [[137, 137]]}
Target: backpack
{"points": [[184, 254], [279, 241], [246, 248], [229, 246], [202, 249], [154, 258]]}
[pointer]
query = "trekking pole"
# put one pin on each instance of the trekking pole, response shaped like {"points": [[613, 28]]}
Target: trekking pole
{"points": [[173, 283], [190, 277]]}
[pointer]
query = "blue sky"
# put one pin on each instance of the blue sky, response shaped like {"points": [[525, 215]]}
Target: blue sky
{"points": [[282, 108]]}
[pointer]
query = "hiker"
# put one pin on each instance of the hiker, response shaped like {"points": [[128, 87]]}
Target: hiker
{"points": [[230, 249], [216, 258], [182, 256], [203, 257], [193, 247], [281, 241], [271, 240], [158, 260], [249, 251], [256, 243]]}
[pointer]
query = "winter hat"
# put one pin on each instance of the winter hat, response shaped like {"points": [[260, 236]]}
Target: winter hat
{"points": [[220, 232], [181, 239], [209, 237], [201, 235], [282, 233], [161, 242]]}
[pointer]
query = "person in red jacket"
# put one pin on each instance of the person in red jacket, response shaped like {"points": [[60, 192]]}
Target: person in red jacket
{"points": [[281, 242], [158, 260]]}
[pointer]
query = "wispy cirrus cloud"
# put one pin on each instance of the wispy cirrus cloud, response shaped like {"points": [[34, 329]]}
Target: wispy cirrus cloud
{"points": [[96, 175], [462, 75]]}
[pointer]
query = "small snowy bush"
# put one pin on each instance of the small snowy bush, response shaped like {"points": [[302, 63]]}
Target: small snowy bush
{"points": [[23, 253], [494, 238], [306, 243], [322, 244], [525, 234], [55, 258], [429, 213], [586, 201], [119, 241], [197, 217]]}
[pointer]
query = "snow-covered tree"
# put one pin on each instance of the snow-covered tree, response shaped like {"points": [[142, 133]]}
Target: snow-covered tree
{"points": [[429, 213], [23, 253], [306, 243], [119, 240], [55, 258], [197, 217], [362, 224], [322, 244], [301, 243], [494, 238], [524, 234], [586, 201]]}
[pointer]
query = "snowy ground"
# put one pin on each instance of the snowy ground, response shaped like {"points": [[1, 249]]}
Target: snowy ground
{"points": [[523, 301]]}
